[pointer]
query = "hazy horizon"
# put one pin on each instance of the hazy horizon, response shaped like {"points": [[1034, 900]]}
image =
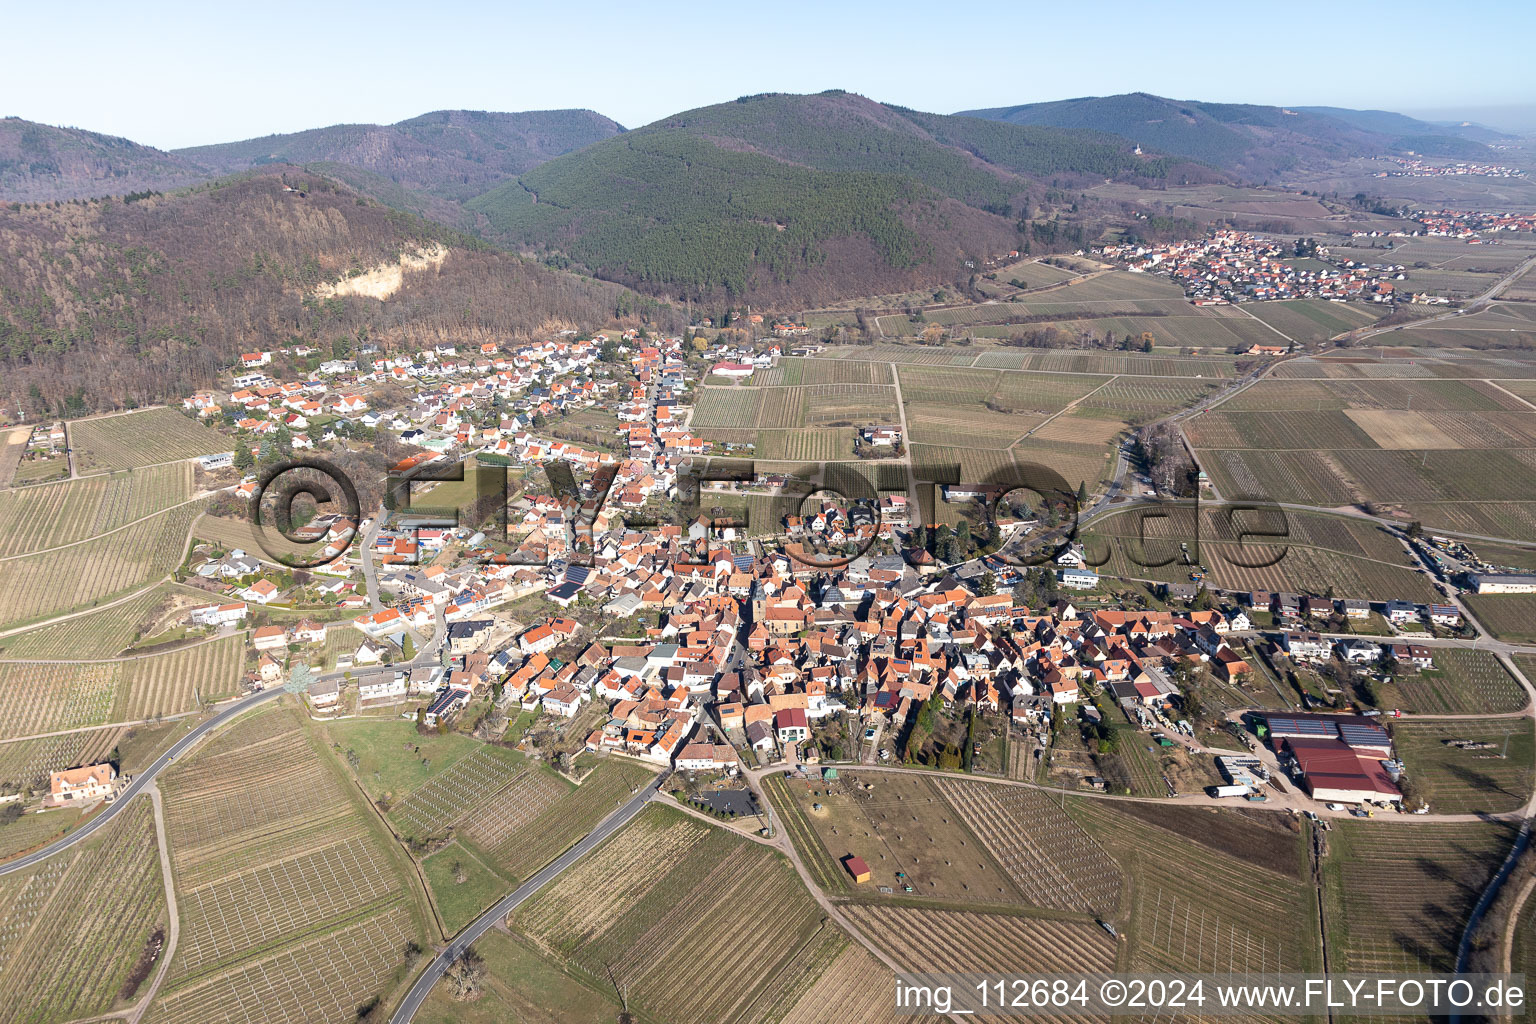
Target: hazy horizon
{"points": [[183, 78]]}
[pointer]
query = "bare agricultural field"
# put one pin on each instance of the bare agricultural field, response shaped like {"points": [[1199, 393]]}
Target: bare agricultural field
{"points": [[1450, 280], [255, 793], [976, 464], [140, 439], [847, 404], [48, 515], [1004, 392], [13, 445], [953, 941], [854, 989], [451, 794], [1077, 462], [966, 425], [100, 902], [1052, 859], [1436, 873], [1139, 399], [170, 683], [1483, 474], [1276, 568], [948, 384], [1425, 395], [647, 906], [100, 634], [1223, 908], [279, 900], [1491, 519], [1522, 287], [52, 696], [1312, 320], [1079, 429], [1068, 361], [1295, 476], [283, 879], [897, 353], [1276, 431], [1390, 428], [45, 584], [324, 978]]}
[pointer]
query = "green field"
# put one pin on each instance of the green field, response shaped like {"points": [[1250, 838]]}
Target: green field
{"points": [[1463, 683], [1458, 781], [521, 985], [1507, 616], [393, 759], [462, 887]]}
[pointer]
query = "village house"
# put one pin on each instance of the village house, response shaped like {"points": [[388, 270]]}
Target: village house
{"points": [[83, 785]]}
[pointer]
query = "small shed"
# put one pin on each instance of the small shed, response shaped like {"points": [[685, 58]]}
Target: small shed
{"points": [[828, 774], [857, 868]]}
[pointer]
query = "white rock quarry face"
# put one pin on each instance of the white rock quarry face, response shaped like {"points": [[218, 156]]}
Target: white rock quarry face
{"points": [[385, 279]]}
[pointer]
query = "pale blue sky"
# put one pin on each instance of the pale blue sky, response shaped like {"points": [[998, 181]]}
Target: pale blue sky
{"points": [[179, 74]]}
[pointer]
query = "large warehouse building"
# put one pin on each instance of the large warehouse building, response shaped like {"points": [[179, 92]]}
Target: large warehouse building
{"points": [[1339, 756]]}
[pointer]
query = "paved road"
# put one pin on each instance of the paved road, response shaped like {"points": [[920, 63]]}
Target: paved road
{"points": [[485, 922], [370, 575], [142, 780]]}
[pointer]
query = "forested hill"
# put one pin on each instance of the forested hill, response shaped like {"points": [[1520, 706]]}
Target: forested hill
{"points": [[1250, 140], [431, 162], [110, 302], [802, 198], [39, 162]]}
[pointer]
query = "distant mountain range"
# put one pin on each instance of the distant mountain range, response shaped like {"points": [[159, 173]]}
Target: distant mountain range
{"points": [[1254, 142], [787, 199], [428, 164]]}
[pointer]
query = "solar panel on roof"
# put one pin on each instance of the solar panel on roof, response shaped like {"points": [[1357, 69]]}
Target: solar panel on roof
{"points": [[1358, 733], [1301, 727]]}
